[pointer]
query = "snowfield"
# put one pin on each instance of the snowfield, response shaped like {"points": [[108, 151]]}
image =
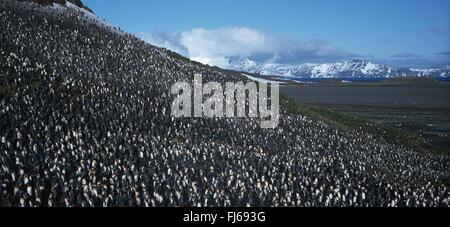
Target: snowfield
{"points": [[346, 69]]}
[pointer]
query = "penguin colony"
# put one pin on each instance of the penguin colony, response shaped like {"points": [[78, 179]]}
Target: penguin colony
{"points": [[85, 122]]}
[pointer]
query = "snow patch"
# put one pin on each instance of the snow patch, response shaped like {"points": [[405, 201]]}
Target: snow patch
{"points": [[260, 80]]}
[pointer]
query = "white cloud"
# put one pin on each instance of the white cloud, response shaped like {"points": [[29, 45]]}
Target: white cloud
{"points": [[213, 46], [216, 46], [165, 40]]}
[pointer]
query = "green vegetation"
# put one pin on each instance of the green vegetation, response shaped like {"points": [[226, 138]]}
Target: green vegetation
{"points": [[7, 89], [331, 81], [411, 79], [350, 123]]}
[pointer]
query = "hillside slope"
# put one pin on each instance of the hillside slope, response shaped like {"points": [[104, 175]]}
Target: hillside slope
{"points": [[85, 121], [78, 3]]}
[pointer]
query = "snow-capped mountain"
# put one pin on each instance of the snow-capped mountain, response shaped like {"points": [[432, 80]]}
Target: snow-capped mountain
{"points": [[345, 69]]}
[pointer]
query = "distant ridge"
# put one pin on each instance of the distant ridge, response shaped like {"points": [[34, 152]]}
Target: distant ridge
{"points": [[345, 69], [78, 3]]}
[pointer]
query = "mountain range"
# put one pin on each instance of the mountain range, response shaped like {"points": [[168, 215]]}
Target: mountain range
{"points": [[344, 69]]}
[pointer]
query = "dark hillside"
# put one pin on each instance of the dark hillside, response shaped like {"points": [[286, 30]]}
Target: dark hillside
{"points": [[85, 121], [78, 3]]}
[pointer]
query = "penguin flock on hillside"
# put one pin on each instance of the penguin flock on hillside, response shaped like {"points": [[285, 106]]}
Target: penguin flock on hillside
{"points": [[85, 122]]}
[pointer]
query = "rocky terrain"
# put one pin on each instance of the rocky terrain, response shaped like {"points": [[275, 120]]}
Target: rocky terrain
{"points": [[85, 121]]}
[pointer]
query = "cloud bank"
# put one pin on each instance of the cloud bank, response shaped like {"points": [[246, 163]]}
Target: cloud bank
{"points": [[218, 46], [406, 55]]}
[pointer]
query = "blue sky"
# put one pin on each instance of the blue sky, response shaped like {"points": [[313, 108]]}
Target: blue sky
{"points": [[395, 32]]}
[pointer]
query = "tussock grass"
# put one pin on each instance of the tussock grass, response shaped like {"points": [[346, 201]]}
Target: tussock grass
{"points": [[350, 123]]}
